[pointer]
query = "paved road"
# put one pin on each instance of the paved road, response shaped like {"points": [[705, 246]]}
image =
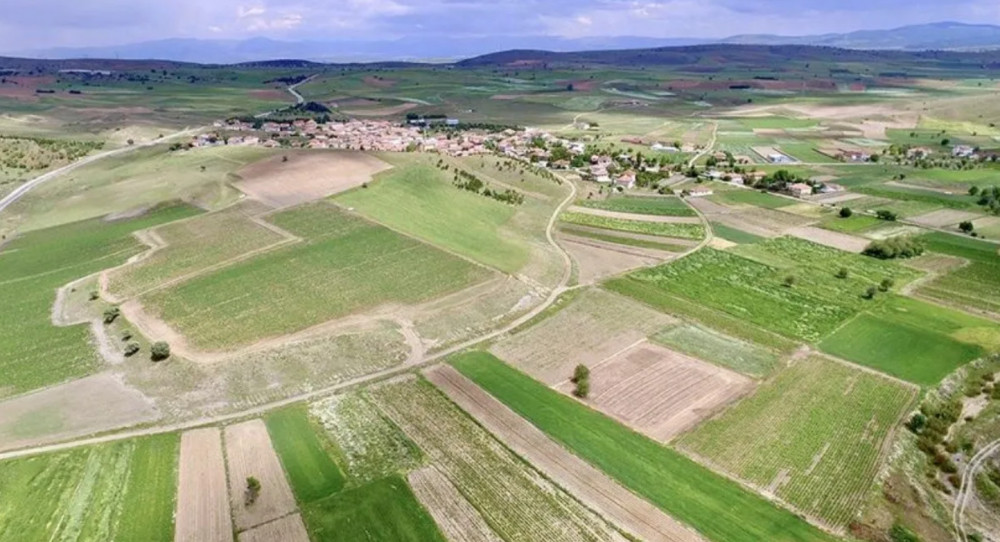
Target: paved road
{"points": [[20, 191]]}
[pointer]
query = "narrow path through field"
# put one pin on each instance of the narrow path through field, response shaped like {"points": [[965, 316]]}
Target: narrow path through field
{"points": [[967, 489]]}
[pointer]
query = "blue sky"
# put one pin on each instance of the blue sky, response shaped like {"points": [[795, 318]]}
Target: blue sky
{"points": [[29, 24]]}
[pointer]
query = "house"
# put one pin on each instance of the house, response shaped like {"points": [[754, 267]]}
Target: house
{"points": [[919, 152], [962, 151], [737, 180], [626, 180], [800, 190], [854, 156], [699, 191]]}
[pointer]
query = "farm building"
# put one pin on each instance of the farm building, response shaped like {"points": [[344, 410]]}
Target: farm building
{"points": [[626, 180], [800, 190], [700, 191]]}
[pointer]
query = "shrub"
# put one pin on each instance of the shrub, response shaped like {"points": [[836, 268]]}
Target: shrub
{"points": [[884, 214], [886, 284], [846, 212], [582, 389], [898, 533], [111, 314], [966, 226], [843, 273], [159, 351], [789, 281], [94, 295], [905, 246], [252, 492], [917, 422], [581, 377], [126, 334], [131, 349], [870, 292]]}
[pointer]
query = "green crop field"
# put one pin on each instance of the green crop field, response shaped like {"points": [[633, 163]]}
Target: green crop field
{"points": [[914, 340], [976, 285], [608, 237], [734, 235], [717, 507], [662, 206], [304, 454], [813, 435], [712, 346], [665, 229], [854, 224], [418, 199], [345, 264], [122, 491], [752, 197], [381, 511], [32, 267], [755, 289]]}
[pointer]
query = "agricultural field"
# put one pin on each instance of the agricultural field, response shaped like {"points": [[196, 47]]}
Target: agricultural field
{"points": [[814, 436], [734, 235], [720, 349], [514, 499], [305, 456], [249, 453], [975, 285], [643, 205], [665, 229], [32, 267], [300, 177], [345, 264], [716, 507], [121, 491], [752, 198]]}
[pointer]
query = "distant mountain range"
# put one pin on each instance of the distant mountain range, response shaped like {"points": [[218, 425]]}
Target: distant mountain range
{"points": [[936, 36]]}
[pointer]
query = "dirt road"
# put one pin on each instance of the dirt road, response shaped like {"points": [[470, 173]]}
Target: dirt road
{"points": [[967, 488]]}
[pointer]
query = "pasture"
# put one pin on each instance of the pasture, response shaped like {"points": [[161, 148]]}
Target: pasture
{"points": [[345, 265], [304, 454], [643, 205], [814, 436], [976, 285], [716, 507], [32, 267], [122, 491], [665, 229]]}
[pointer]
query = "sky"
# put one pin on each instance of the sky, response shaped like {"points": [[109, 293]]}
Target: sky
{"points": [[36, 24]]}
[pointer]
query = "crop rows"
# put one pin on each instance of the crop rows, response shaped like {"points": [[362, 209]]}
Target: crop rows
{"points": [[663, 206], [720, 349], [975, 285], [813, 436], [664, 229], [516, 501]]}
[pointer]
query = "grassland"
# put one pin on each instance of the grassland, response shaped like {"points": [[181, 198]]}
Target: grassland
{"points": [[720, 349], [755, 289], [32, 267], [665, 229], [512, 497], [813, 436], [718, 508], [382, 511], [734, 235], [122, 491], [345, 264], [660, 206], [976, 285], [305, 455], [853, 224], [752, 197]]}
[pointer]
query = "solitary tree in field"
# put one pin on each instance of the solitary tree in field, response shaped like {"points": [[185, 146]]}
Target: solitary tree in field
{"points": [[789, 281], [966, 226], [111, 314], [843, 273], [887, 284], [159, 351], [870, 292], [252, 492], [581, 377], [846, 212]]}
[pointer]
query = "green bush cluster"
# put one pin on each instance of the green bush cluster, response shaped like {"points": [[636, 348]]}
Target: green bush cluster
{"points": [[904, 246]]}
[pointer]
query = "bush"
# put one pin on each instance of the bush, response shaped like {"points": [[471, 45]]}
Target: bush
{"points": [[846, 212], [884, 214], [131, 349], [905, 246], [843, 273], [126, 335], [966, 226], [252, 492], [886, 284], [870, 292], [789, 281], [159, 351], [581, 377], [111, 314], [917, 422], [94, 295]]}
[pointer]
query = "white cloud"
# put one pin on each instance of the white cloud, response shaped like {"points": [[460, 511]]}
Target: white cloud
{"points": [[243, 12]]}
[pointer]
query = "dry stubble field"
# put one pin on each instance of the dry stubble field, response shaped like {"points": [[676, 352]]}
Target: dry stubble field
{"points": [[249, 453], [203, 513], [306, 176]]}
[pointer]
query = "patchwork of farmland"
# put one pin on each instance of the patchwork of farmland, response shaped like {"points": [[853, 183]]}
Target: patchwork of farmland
{"points": [[32, 267], [814, 436], [514, 499], [718, 508], [345, 264], [122, 491], [305, 457]]}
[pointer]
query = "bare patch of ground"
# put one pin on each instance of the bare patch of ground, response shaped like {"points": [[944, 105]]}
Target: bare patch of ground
{"points": [[829, 238], [249, 453], [378, 82], [202, 501], [639, 236], [591, 486], [596, 260], [660, 392], [456, 518], [943, 218], [636, 217], [719, 243], [287, 529], [755, 220], [90, 405], [306, 176]]}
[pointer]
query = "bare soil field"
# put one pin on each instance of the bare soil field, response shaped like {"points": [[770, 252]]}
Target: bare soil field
{"points": [[202, 500], [287, 529], [755, 220], [837, 197], [592, 487], [593, 328], [249, 453], [456, 518], [944, 217], [89, 405], [660, 392], [596, 260], [306, 176], [841, 241], [637, 217]]}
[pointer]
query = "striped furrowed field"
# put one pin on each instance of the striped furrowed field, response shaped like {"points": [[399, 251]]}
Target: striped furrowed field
{"points": [[32, 267], [664, 229], [976, 285], [514, 499], [345, 264], [814, 436], [192, 246], [123, 491], [662, 206]]}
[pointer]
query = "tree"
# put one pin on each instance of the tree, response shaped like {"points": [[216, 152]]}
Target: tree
{"points": [[886, 284], [581, 377], [945, 142], [252, 491], [843, 273], [569, 87], [973, 190], [131, 349], [917, 422], [885, 214], [966, 226], [159, 351], [110, 314], [905, 246], [789, 281], [846, 212]]}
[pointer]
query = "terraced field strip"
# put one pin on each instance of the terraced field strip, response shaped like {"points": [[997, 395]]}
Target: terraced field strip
{"points": [[592, 487], [663, 229], [814, 436], [662, 219], [203, 513], [642, 205], [841, 241], [720, 509], [287, 529], [249, 453], [456, 518], [516, 501]]}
